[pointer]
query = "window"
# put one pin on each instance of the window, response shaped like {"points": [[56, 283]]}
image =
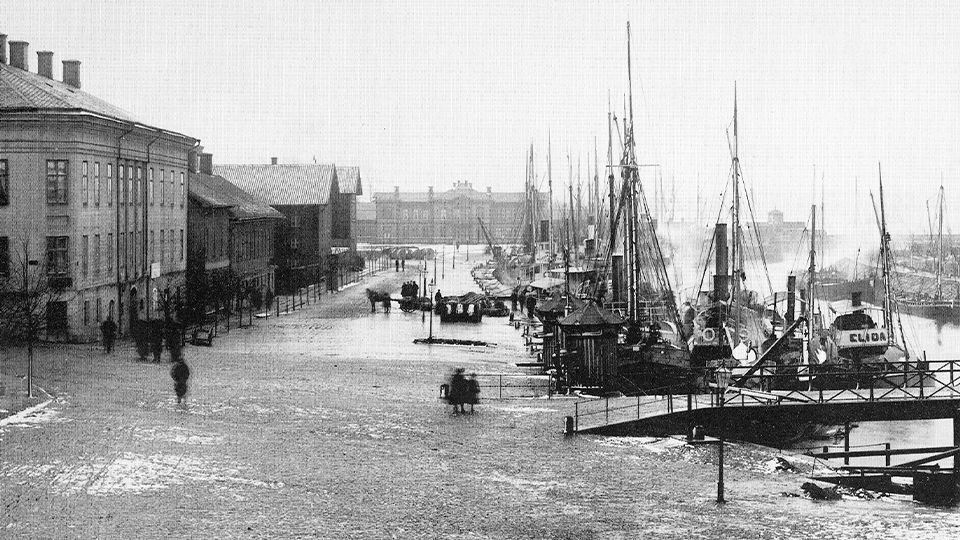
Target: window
{"points": [[181, 244], [86, 312], [96, 183], [153, 246], [140, 188], [56, 181], [4, 183], [182, 197], [85, 260], [151, 186], [110, 246], [99, 310], [4, 256], [163, 188], [109, 184], [130, 193], [57, 260], [97, 264], [85, 183], [170, 191], [163, 245], [173, 253]]}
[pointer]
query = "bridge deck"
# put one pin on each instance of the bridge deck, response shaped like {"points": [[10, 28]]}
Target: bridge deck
{"points": [[653, 413]]}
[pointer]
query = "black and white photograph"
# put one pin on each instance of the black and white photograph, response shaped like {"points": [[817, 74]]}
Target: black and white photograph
{"points": [[431, 269]]}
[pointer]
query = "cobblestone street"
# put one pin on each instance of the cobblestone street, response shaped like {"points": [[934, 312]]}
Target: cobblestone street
{"points": [[326, 423]]}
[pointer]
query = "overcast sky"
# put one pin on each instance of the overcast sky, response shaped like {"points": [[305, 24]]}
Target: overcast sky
{"points": [[428, 93]]}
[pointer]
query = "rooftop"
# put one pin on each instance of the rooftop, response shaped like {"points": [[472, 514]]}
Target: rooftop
{"points": [[348, 180], [22, 90], [283, 184], [215, 191]]}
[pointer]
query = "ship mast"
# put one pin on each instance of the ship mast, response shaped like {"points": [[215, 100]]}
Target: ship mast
{"points": [[811, 304], [885, 262], [550, 187], [735, 252], [940, 254]]}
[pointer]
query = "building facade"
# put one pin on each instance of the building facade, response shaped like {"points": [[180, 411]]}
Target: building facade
{"points": [[367, 222], [345, 230], [231, 230], [94, 199], [316, 227], [452, 216]]}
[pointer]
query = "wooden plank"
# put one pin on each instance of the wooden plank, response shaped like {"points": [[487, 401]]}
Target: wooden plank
{"points": [[928, 459], [873, 453]]}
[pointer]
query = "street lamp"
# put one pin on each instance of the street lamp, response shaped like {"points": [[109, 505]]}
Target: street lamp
{"points": [[723, 380], [432, 287]]}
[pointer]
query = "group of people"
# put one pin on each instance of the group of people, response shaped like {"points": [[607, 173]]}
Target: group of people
{"points": [[525, 300], [463, 391]]}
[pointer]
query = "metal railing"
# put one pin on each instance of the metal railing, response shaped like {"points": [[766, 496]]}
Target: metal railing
{"points": [[935, 380], [511, 386]]}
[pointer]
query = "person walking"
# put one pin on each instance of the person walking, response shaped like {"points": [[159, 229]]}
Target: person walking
{"points": [[437, 297], [403, 265], [531, 302], [397, 264], [109, 330], [180, 374]]}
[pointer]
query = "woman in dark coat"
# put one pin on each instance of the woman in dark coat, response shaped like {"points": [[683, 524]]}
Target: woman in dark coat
{"points": [[459, 390], [473, 391], [180, 373]]}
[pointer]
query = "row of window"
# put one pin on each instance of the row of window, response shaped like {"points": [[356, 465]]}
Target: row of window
{"points": [[163, 252], [252, 245], [97, 185], [58, 252]]}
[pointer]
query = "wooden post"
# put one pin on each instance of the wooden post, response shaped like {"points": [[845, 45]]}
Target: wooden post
{"points": [[956, 442], [278, 305], [846, 442]]}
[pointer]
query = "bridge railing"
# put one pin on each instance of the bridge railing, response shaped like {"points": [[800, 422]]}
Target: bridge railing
{"points": [[510, 386], [917, 381], [599, 411]]}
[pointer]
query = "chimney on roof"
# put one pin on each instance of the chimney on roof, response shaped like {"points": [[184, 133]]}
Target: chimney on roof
{"points": [[71, 73], [3, 48], [18, 55], [45, 64], [206, 163], [273, 161]]}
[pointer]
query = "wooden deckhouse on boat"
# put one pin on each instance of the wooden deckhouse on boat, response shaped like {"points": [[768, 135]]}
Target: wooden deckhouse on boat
{"points": [[550, 312], [590, 337]]}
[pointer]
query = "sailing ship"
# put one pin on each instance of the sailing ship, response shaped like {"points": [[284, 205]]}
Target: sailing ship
{"points": [[914, 295], [860, 345], [729, 320]]}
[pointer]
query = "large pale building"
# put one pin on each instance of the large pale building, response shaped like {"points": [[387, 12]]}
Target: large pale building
{"points": [[89, 195], [451, 216]]}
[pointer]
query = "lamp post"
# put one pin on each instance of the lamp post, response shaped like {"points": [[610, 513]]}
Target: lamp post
{"points": [[723, 379], [432, 287]]}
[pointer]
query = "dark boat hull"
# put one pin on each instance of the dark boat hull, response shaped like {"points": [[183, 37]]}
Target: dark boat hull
{"points": [[941, 311]]}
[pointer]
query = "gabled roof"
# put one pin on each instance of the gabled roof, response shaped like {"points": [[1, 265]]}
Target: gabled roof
{"points": [[283, 184], [21, 90], [591, 315], [218, 192], [348, 180]]}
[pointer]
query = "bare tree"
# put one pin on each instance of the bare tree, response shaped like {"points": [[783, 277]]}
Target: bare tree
{"points": [[32, 300]]}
